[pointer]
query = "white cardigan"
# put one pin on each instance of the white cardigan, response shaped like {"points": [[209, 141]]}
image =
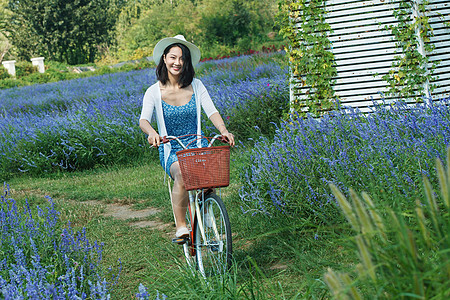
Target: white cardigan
{"points": [[152, 101]]}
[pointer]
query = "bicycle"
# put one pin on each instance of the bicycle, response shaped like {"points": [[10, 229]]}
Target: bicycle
{"points": [[208, 247]]}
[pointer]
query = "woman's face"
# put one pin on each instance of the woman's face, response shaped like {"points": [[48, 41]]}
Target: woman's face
{"points": [[174, 61]]}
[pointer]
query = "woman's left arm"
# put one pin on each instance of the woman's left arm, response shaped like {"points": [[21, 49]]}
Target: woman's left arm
{"points": [[218, 122]]}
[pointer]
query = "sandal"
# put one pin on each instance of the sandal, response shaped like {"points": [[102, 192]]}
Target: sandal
{"points": [[182, 232]]}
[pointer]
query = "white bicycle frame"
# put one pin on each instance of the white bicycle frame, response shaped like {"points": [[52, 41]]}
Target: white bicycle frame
{"points": [[194, 201]]}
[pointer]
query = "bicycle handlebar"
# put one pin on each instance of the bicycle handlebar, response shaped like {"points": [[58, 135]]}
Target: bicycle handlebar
{"points": [[219, 137]]}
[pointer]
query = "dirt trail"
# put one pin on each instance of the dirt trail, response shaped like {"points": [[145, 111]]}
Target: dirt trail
{"points": [[120, 211], [124, 212]]}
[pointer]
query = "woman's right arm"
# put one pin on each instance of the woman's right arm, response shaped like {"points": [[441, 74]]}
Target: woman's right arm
{"points": [[148, 106]]}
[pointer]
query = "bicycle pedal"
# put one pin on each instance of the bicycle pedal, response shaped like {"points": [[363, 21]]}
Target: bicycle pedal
{"points": [[180, 241], [214, 246]]}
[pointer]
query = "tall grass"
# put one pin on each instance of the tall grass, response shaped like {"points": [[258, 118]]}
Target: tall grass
{"points": [[191, 285], [400, 256]]}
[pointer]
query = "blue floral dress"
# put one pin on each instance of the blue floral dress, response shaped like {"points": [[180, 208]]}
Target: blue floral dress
{"points": [[179, 121]]}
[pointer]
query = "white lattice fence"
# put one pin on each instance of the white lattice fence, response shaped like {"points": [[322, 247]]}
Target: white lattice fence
{"points": [[364, 50]]}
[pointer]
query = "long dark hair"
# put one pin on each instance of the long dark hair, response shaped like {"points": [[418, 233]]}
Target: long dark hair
{"points": [[187, 72]]}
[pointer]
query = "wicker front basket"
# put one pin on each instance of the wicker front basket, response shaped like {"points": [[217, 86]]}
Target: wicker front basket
{"points": [[205, 167]]}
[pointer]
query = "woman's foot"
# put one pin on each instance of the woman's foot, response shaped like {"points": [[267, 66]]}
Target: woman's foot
{"points": [[182, 232]]}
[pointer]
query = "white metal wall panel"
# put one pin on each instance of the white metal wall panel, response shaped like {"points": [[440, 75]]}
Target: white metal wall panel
{"points": [[364, 50], [439, 13]]}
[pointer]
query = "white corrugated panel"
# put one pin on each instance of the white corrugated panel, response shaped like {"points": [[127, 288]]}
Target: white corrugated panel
{"points": [[439, 12], [364, 50]]}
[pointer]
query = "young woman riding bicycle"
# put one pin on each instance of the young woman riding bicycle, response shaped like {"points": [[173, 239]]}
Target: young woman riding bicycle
{"points": [[177, 99]]}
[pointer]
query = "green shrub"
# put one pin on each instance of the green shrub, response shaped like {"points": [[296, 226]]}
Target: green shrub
{"points": [[9, 83], [260, 115], [4, 73], [227, 25], [402, 255], [24, 68]]}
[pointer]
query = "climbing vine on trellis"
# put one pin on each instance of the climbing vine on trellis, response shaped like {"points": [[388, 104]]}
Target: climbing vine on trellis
{"points": [[303, 23], [411, 70]]}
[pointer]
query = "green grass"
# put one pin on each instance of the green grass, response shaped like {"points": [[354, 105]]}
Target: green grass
{"points": [[272, 259]]}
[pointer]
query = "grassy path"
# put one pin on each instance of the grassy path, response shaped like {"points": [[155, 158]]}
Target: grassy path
{"points": [[272, 259]]}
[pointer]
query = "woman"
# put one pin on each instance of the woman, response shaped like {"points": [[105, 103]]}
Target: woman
{"points": [[177, 98]]}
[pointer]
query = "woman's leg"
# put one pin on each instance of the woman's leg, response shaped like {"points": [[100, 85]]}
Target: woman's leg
{"points": [[180, 196]]}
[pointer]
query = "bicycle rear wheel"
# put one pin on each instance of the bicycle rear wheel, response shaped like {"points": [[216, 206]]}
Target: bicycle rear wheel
{"points": [[214, 250]]}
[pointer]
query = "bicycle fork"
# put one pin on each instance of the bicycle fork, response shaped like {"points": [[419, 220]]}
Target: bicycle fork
{"points": [[216, 245]]}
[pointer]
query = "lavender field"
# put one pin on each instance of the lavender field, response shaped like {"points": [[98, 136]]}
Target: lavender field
{"points": [[78, 124], [283, 166], [385, 153], [41, 259]]}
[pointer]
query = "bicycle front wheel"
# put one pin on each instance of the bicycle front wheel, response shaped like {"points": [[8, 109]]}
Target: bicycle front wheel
{"points": [[213, 247]]}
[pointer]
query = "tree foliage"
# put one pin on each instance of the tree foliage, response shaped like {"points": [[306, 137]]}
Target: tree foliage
{"points": [[3, 14], [5, 46], [228, 24], [141, 26], [82, 31], [67, 31], [209, 23]]}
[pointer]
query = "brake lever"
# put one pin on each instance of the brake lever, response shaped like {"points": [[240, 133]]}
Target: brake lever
{"points": [[163, 141], [223, 139]]}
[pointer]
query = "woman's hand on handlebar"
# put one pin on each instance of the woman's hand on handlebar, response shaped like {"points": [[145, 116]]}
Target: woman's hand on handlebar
{"points": [[229, 137], [154, 139]]}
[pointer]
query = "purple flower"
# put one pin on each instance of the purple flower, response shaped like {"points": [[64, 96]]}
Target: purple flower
{"points": [[388, 149], [41, 260]]}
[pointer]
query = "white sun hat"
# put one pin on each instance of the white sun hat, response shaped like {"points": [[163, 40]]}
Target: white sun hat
{"points": [[158, 51]]}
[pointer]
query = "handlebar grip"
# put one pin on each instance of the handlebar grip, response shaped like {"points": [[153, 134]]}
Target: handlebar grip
{"points": [[165, 140]]}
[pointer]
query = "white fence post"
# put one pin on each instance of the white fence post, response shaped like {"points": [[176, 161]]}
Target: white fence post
{"points": [[9, 65], [39, 62]]}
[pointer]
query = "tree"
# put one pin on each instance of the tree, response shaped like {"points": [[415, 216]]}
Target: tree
{"points": [[139, 27], [228, 24], [214, 25], [71, 31], [3, 14], [5, 46]]}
